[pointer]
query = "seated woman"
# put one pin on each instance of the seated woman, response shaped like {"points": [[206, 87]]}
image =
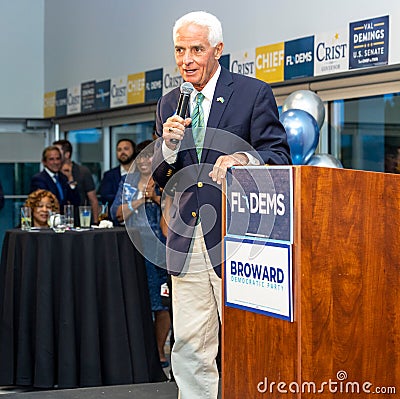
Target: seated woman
{"points": [[42, 202]]}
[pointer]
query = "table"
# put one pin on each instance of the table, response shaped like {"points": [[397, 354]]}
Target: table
{"points": [[75, 310]]}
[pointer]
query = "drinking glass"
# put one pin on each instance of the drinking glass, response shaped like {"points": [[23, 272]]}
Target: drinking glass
{"points": [[26, 218], [103, 212], [59, 224], [69, 216], [85, 214]]}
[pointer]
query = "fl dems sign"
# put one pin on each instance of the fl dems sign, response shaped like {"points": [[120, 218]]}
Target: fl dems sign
{"points": [[258, 243]]}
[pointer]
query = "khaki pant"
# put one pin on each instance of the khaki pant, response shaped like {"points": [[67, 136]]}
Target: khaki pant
{"points": [[196, 303]]}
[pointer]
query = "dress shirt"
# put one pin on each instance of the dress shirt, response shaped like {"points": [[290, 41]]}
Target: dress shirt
{"points": [[123, 171], [51, 174]]}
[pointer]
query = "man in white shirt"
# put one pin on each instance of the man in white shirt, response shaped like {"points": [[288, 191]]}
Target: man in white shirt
{"points": [[234, 121]]}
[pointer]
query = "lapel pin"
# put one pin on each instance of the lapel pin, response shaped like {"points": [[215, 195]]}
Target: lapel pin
{"points": [[221, 100]]}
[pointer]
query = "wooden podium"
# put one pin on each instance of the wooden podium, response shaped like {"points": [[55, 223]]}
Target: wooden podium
{"points": [[346, 272]]}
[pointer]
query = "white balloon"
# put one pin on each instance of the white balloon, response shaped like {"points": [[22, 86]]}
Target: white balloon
{"points": [[308, 101], [325, 160]]}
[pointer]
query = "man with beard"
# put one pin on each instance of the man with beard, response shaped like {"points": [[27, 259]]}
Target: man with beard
{"points": [[126, 152]]}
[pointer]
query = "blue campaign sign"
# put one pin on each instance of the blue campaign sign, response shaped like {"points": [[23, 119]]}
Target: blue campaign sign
{"points": [[259, 202], [61, 102], [102, 100], [299, 58], [369, 43], [153, 85], [88, 96]]}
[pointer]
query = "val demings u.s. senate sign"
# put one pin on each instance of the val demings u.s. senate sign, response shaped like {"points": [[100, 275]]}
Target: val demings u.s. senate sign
{"points": [[259, 202]]}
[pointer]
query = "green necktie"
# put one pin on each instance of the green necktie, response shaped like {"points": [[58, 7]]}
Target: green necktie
{"points": [[198, 126]]}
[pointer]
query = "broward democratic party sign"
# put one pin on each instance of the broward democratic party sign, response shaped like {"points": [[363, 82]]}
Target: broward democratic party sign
{"points": [[259, 224], [260, 202], [258, 277]]}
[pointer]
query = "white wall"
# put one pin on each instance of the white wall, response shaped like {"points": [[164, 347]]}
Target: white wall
{"points": [[47, 45], [100, 39], [22, 58]]}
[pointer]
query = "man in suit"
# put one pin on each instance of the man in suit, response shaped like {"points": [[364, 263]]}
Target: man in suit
{"points": [[243, 128], [51, 179], [126, 152]]}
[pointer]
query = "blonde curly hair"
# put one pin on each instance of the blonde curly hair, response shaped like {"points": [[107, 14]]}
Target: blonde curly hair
{"points": [[35, 197]]}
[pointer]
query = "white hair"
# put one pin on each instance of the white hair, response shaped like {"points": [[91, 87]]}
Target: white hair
{"points": [[203, 19]]}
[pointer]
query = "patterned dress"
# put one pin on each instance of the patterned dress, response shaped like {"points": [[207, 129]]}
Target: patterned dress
{"points": [[146, 219]]}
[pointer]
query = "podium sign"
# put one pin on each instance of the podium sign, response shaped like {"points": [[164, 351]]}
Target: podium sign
{"points": [[258, 277], [259, 219], [260, 202]]}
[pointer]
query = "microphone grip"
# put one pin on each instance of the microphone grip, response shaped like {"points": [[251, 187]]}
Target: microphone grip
{"points": [[181, 110], [182, 105]]}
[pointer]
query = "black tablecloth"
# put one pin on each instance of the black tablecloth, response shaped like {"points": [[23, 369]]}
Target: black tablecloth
{"points": [[75, 311]]}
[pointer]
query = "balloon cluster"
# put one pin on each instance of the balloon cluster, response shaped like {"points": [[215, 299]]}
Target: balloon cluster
{"points": [[303, 114]]}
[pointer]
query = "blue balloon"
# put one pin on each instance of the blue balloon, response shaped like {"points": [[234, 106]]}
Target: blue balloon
{"points": [[302, 132]]}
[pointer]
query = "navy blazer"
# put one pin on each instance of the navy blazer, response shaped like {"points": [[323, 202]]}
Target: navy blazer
{"points": [[243, 117], [45, 181], [109, 185]]}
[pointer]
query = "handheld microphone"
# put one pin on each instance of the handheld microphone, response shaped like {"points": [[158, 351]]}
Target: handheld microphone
{"points": [[186, 90]]}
